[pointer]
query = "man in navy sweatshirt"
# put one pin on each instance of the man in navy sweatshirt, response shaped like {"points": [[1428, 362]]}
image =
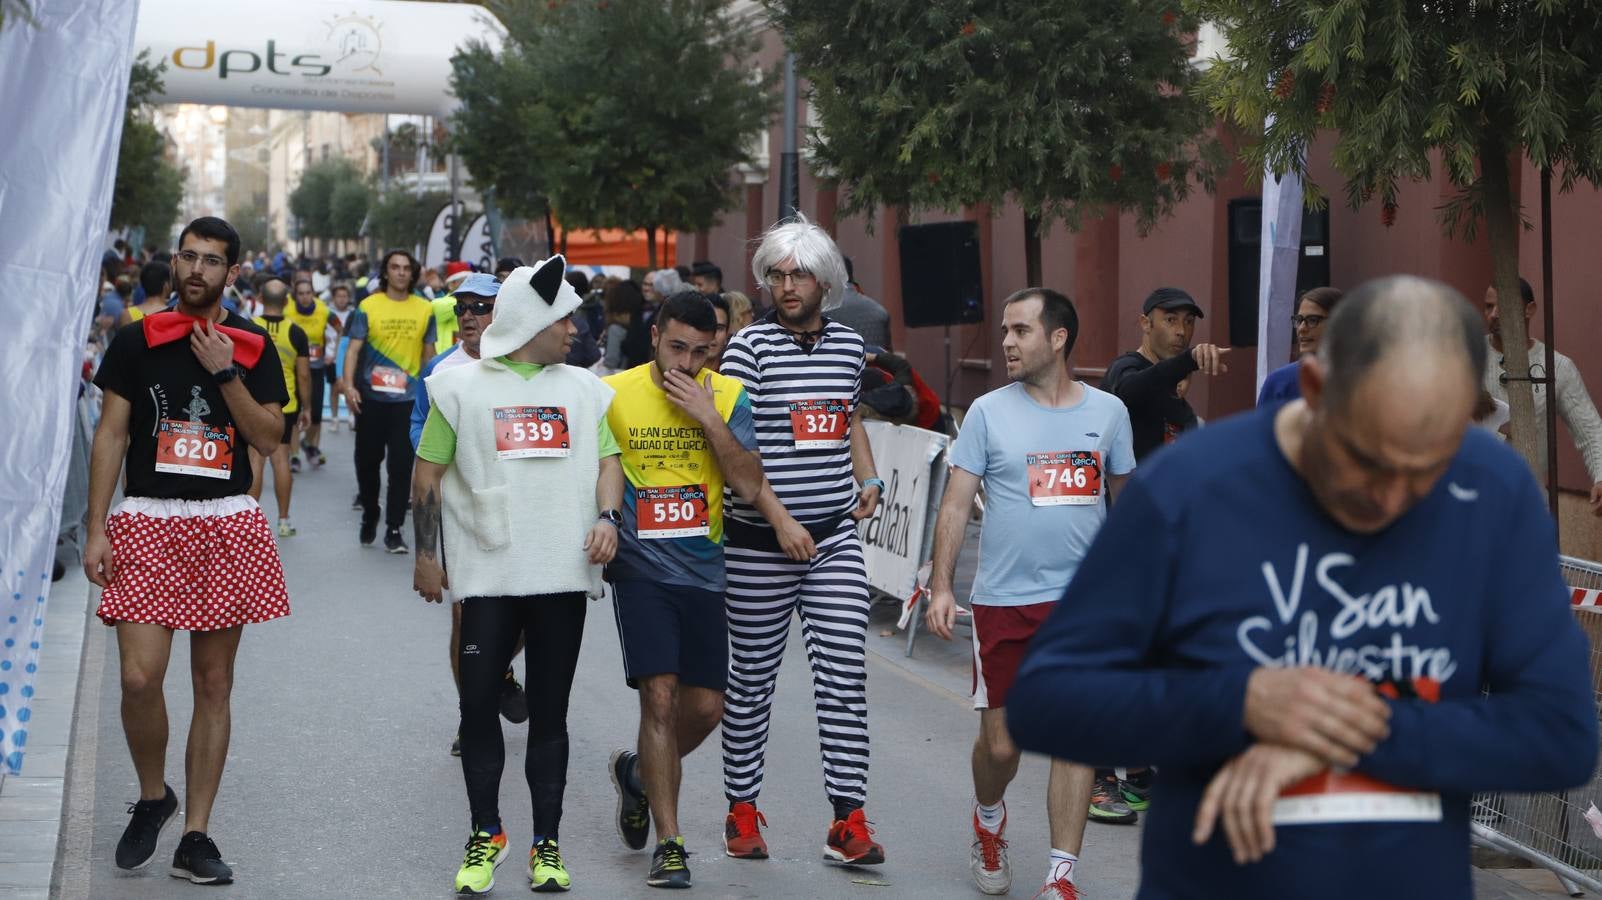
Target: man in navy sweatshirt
{"points": [[1311, 597]]}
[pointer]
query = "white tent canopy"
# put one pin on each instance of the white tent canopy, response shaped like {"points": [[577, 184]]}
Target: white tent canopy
{"points": [[371, 56]]}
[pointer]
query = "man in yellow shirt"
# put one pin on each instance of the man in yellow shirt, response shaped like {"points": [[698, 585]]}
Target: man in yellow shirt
{"points": [[314, 318], [294, 356], [391, 338]]}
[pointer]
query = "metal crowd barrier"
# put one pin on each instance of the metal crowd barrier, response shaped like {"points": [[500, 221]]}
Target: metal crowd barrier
{"points": [[1550, 829]]}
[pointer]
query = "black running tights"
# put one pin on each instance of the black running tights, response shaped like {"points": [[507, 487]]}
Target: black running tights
{"points": [[553, 626]]}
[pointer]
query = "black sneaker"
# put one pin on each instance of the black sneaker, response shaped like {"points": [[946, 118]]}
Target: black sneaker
{"points": [[668, 868], [633, 810], [369, 533], [197, 859], [456, 744], [514, 703], [393, 542], [294, 464], [138, 845]]}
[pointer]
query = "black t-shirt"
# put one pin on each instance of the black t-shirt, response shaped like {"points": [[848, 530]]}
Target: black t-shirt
{"points": [[1156, 414], [171, 393]]}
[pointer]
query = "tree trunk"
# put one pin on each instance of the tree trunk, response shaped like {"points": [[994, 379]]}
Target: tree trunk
{"points": [[550, 233], [650, 244], [1501, 220], [1032, 272]]}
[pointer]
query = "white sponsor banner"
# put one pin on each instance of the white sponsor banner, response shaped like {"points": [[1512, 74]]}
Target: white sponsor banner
{"points": [[478, 247], [63, 84], [895, 539], [1280, 252], [351, 55], [438, 251]]}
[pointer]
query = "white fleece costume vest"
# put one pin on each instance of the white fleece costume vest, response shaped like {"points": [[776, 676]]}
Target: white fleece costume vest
{"points": [[514, 527]]}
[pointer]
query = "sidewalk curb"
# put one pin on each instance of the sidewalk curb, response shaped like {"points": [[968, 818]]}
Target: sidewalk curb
{"points": [[31, 803]]}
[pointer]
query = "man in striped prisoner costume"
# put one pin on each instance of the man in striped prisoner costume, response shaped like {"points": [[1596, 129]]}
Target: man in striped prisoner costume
{"points": [[802, 373]]}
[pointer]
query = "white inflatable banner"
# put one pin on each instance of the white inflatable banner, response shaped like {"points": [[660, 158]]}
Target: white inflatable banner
{"points": [[438, 251], [376, 56], [896, 538], [58, 162], [478, 247]]}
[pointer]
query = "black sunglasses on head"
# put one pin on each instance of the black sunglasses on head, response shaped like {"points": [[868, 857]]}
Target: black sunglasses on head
{"points": [[477, 307]]}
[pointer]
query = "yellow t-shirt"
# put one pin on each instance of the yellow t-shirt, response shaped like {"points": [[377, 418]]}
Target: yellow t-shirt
{"points": [[663, 448], [291, 343], [315, 324]]}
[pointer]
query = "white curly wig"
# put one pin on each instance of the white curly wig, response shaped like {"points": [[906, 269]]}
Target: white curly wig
{"points": [[811, 248]]}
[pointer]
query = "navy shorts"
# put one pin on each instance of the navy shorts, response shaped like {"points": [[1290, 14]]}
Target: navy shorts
{"points": [[672, 629]]}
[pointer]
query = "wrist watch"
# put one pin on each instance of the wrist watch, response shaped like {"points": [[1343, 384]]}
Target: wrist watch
{"points": [[873, 482], [226, 375], [613, 516]]}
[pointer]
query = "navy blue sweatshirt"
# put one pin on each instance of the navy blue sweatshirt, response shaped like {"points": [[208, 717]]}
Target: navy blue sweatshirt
{"points": [[1217, 559]]}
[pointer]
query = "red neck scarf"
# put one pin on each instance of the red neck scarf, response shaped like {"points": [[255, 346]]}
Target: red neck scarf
{"points": [[171, 325]]}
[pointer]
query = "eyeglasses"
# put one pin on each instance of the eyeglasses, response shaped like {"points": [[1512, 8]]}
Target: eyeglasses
{"points": [[479, 308], [210, 260], [775, 278], [1298, 321]]}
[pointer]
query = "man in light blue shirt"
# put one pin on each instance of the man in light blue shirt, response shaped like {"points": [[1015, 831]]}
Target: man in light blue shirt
{"points": [[1051, 453]]}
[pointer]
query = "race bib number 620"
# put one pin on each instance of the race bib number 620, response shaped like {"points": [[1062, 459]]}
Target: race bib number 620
{"points": [[194, 448]]}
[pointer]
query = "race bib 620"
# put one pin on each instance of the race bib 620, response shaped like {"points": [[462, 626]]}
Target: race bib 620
{"points": [[194, 448]]}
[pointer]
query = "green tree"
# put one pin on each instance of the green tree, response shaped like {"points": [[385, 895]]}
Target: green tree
{"points": [[313, 199], [347, 208], [254, 231], [149, 188], [1066, 107], [402, 219], [1483, 85], [616, 115]]}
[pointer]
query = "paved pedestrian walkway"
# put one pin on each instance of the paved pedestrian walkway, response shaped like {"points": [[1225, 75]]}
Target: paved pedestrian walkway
{"points": [[339, 783]]}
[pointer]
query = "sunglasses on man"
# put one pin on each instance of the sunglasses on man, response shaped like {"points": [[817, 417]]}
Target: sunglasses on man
{"points": [[477, 308]]}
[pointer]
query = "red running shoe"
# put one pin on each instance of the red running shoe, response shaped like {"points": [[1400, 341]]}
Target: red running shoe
{"points": [[741, 837], [851, 842]]}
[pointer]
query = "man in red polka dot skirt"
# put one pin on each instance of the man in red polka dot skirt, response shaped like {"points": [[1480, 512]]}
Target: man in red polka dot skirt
{"points": [[187, 391]]}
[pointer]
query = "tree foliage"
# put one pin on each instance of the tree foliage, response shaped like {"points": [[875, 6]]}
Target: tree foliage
{"points": [[402, 219], [330, 200], [149, 189], [255, 234], [1476, 84], [618, 115], [1063, 106]]}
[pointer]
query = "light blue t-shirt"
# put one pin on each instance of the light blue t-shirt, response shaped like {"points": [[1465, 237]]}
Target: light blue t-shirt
{"points": [[1040, 518]]}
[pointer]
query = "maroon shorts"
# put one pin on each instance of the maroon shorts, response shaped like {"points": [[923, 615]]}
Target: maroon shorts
{"points": [[1000, 635], [192, 565]]}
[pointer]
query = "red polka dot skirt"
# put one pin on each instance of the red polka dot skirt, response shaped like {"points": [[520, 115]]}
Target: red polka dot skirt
{"points": [[192, 565]]}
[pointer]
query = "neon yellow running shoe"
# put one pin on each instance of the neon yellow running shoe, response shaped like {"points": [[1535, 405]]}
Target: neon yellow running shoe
{"points": [[546, 873], [485, 851]]}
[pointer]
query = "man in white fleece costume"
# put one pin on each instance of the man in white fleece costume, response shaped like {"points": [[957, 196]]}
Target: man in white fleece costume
{"points": [[518, 474]]}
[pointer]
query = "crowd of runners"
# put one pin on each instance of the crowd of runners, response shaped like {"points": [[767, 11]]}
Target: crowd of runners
{"points": [[1283, 593]]}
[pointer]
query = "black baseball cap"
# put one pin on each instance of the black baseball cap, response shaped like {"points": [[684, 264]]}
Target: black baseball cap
{"points": [[1171, 298]]}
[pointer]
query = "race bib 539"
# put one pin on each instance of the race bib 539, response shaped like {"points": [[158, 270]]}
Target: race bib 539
{"points": [[522, 432]]}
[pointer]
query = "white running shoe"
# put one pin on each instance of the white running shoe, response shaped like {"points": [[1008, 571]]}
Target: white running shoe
{"points": [[988, 860]]}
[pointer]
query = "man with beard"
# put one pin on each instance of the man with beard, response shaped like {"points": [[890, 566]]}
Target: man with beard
{"points": [[186, 391], [803, 373], [1052, 454], [685, 433], [1330, 622], [475, 309]]}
